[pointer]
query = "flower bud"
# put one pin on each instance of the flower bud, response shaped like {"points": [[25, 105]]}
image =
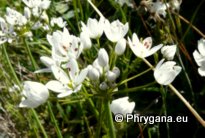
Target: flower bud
{"points": [[111, 77], [116, 70], [120, 47], [169, 51], [103, 86], [85, 40], [103, 58], [93, 73]]}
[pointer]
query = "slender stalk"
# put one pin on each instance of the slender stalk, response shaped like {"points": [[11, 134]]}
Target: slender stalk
{"points": [[30, 54], [100, 119], [54, 120], [193, 111], [39, 123], [86, 121], [164, 95], [133, 77], [10, 66], [96, 9], [191, 25], [110, 120]]}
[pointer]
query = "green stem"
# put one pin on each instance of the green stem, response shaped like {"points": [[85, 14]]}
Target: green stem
{"points": [[53, 119], [163, 93], [10, 66], [39, 123], [111, 127], [30, 54], [134, 89], [133, 77], [100, 118]]}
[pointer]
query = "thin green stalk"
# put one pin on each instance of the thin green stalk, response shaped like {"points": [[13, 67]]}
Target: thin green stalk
{"points": [[76, 12], [86, 120], [10, 66], [39, 123], [54, 120], [127, 90], [164, 95], [81, 10], [111, 126], [133, 77], [30, 54], [100, 118]]}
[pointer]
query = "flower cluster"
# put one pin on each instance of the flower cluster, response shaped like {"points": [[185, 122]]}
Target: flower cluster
{"points": [[67, 50], [94, 61]]}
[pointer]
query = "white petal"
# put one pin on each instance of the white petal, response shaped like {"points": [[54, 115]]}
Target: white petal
{"points": [[64, 94], [60, 74], [147, 42], [80, 78], [201, 46], [153, 50], [57, 86], [43, 70], [120, 47], [47, 60]]}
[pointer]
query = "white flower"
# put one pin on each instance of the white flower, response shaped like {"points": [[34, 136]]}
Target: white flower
{"points": [[116, 30], [35, 94], [64, 45], [37, 6], [120, 46], [58, 21], [122, 106], [159, 8], [85, 40], [169, 51], [166, 72], [27, 12], [103, 58], [94, 28], [7, 32], [175, 4], [67, 84], [199, 56], [15, 18], [142, 49], [44, 4]]}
